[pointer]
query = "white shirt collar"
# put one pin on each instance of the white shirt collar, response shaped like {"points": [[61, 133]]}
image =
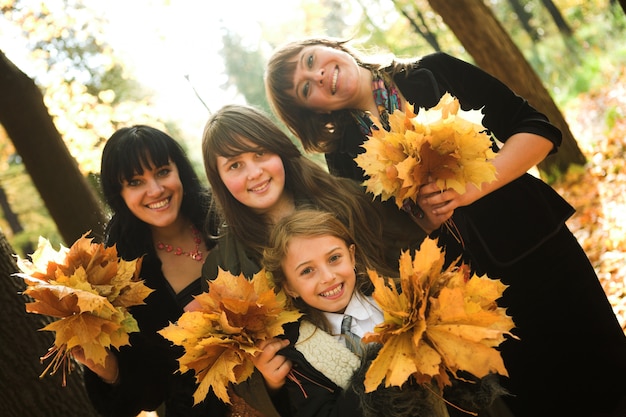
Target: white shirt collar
{"points": [[365, 315]]}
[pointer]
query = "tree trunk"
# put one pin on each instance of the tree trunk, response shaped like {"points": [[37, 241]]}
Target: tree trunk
{"points": [[12, 219], [72, 203], [524, 18], [558, 19], [23, 393], [484, 38], [9, 214], [566, 33]]}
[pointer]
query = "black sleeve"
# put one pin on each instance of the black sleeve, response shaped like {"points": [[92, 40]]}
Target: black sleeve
{"points": [[143, 380], [146, 381], [148, 366], [506, 113]]}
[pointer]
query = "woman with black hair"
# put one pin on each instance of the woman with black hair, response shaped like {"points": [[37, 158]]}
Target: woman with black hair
{"points": [[159, 212]]}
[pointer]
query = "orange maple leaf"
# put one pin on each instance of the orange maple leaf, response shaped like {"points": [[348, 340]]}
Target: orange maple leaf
{"points": [[442, 143], [88, 289], [383, 153], [440, 322], [220, 337]]}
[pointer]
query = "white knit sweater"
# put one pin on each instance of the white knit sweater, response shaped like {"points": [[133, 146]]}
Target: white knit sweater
{"points": [[327, 354]]}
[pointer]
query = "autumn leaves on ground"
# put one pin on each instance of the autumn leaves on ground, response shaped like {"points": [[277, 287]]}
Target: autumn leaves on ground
{"points": [[598, 191]]}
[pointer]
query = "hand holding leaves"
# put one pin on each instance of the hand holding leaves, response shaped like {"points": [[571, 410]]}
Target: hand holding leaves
{"points": [[441, 144], [89, 289], [220, 337]]}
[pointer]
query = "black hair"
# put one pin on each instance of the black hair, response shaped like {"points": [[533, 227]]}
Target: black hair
{"points": [[127, 153]]}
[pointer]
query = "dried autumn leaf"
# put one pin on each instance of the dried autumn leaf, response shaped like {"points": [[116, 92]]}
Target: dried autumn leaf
{"points": [[88, 289], [220, 337], [440, 322], [442, 143], [383, 153]]}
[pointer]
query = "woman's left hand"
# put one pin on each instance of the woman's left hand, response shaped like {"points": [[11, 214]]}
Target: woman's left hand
{"points": [[440, 204], [520, 152], [109, 372]]}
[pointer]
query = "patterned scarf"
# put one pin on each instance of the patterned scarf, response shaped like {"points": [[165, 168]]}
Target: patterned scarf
{"points": [[387, 100]]}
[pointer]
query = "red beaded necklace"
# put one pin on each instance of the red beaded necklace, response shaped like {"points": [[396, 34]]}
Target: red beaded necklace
{"points": [[195, 254]]}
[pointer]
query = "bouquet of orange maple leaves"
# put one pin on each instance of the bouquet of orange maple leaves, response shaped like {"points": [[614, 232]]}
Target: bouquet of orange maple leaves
{"points": [[442, 321], [88, 289], [441, 143], [220, 336]]}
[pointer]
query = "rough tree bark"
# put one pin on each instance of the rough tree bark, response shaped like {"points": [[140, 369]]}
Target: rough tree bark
{"points": [[72, 203], [484, 38], [23, 393]]}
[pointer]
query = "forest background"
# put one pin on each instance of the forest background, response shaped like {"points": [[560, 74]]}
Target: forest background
{"points": [[77, 55]]}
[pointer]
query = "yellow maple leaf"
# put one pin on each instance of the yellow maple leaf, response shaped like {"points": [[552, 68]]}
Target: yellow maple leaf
{"points": [[383, 153], [448, 106], [88, 289], [444, 143], [220, 337], [439, 322]]}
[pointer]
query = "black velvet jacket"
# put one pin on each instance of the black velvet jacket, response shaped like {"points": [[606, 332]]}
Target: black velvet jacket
{"points": [[312, 393], [148, 366], [488, 228]]}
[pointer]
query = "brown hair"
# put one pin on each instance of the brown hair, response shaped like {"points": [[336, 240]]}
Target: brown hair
{"points": [[232, 130], [311, 223], [317, 131]]}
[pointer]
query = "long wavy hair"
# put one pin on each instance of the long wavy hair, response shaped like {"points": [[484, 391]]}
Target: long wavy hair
{"points": [[236, 129], [129, 151], [311, 223], [317, 131]]}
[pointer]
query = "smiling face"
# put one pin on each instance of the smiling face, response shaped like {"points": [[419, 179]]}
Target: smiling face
{"points": [[320, 270], [256, 180], [154, 196], [328, 79]]}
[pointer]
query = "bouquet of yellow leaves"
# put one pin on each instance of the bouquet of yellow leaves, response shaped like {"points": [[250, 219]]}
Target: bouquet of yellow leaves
{"points": [[219, 337], [89, 289], [441, 143], [441, 322]]}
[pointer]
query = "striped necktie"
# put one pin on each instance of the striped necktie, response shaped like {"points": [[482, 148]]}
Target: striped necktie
{"points": [[353, 342]]}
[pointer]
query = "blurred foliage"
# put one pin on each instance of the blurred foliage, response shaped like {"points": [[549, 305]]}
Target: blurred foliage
{"points": [[598, 192], [244, 67], [88, 93]]}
